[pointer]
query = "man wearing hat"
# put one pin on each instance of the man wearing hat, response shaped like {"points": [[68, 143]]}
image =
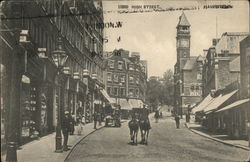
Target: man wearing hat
{"points": [[66, 130]]}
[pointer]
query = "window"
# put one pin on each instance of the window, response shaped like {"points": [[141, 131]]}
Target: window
{"points": [[131, 67], [137, 92], [131, 92], [131, 79], [115, 78], [123, 79], [122, 91], [111, 64], [248, 84], [137, 80], [109, 90], [115, 90], [192, 87], [120, 65], [109, 77], [143, 69], [199, 76]]}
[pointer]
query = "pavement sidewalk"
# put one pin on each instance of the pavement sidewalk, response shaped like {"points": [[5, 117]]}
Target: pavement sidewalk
{"points": [[43, 150], [222, 138]]}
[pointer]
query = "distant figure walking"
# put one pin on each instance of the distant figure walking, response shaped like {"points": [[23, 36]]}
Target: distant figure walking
{"points": [[95, 119], [177, 121], [157, 115], [72, 124]]}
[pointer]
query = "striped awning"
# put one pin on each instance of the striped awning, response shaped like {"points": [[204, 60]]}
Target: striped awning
{"points": [[105, 94], [234, 105]]}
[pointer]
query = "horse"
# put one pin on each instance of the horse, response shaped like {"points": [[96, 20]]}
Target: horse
{"points": [[133, 127], [144, 128]]}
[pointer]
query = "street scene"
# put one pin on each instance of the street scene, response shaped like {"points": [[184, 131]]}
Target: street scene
{"points": [[121, 81], [166, 143]]}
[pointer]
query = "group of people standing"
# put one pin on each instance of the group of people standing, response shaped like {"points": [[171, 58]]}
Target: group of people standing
{"points": [[68, 127]]}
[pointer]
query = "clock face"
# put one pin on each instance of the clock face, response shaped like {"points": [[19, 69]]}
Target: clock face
{"points": [[184, 43]]}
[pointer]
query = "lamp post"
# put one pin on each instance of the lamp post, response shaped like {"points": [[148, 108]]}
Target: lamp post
{"points": [[59, 57]]}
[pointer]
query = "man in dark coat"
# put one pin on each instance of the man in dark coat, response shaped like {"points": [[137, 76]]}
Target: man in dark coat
{"points": [[177, 121], [95, 119], [66, 130], [72, 124]]}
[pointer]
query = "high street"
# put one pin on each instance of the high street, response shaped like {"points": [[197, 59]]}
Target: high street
{"points": [[166, 143]]}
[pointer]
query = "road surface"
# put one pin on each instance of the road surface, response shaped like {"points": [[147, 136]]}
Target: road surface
{"points": [[166, 143]]}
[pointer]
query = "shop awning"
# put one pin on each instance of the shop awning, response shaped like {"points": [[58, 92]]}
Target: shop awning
{"points": [[105, 94], [204, 103], [125, 105], [135, 103], [234, 105], [218, 101]]}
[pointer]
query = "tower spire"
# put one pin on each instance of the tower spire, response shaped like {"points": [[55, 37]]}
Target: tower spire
{"points": [[183, 21]]}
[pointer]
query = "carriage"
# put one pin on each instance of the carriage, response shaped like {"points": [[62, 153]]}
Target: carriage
{"points": [[113, 119]]}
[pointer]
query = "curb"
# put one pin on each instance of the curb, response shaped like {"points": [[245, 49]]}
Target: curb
{"points": [[217, 140], [81, 141]]}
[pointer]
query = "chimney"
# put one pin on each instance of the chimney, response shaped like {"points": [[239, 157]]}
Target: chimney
{"points": [[215, 41]]}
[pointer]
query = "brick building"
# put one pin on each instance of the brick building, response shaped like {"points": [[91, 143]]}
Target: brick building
{"points": [[126, 79], [245, 67], [222, 63], [187, 70], [226, 86], [31, 31]]}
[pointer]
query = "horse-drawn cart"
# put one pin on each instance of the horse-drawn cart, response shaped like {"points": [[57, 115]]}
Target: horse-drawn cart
{"points": [[113, 119]]}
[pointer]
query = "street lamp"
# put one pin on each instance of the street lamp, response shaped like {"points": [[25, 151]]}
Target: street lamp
{"points": [[59, 57]]}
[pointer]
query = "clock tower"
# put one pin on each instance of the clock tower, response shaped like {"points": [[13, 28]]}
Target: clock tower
{"points": [[183, 38]]}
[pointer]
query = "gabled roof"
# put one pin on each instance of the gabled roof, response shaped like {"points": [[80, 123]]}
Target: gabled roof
{"points": [[200, 58], [234, 65], [183, 20], [190, 63]]}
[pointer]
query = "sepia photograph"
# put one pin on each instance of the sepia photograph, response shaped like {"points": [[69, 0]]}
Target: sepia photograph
{"points": [[125, 80]]}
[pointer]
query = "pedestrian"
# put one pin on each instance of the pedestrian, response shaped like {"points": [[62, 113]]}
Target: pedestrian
{"points": [[156, 116], [72, 124], [95, 119], [99, 118], [81, 123], [187, 118], [177, 121], [66, 130]]}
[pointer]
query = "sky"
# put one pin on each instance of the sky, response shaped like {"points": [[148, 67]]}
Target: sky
{"points": [[153, 34]]}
